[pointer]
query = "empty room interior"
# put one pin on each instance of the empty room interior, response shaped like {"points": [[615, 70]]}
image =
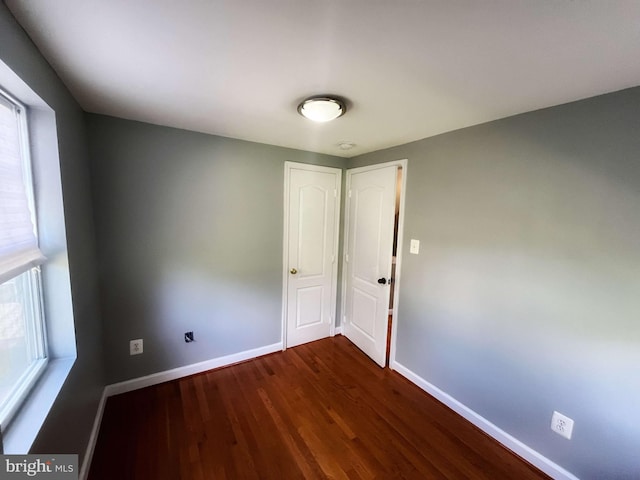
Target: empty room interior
{"points": [[322, 239]]}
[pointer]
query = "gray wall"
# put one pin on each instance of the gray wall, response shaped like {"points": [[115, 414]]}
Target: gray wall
{"points": [[526, 293], [524, 298], [189, 230], [69, 423]]}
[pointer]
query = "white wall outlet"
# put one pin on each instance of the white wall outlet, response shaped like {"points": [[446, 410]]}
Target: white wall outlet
{"points": [[562, 425], [414, 247], [135, 347]]}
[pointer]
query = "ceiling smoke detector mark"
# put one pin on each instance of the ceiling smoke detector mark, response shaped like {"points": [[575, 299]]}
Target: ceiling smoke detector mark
{"points": [[346, 145]]}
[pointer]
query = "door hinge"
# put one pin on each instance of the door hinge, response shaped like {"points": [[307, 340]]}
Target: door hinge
{"points": [[346, 257], [335, 193], [349, 193]]}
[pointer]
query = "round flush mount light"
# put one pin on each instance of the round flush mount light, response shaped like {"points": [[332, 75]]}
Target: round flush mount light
{"points": [[322, 108]]}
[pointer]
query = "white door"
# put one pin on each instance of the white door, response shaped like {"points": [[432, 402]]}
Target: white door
{"points": [[312, 203], [369, 249]]}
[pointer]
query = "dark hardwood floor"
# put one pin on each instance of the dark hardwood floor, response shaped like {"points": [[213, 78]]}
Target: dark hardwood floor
{"points": [[321, 410]]}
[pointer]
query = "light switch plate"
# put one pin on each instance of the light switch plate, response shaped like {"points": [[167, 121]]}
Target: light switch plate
{"points": [[415, 246]]}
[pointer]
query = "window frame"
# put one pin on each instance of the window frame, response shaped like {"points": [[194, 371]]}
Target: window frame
{"points": [[35, 322]]}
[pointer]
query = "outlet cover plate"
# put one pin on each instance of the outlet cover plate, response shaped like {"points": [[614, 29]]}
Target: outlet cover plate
{"points": [[562, 425], [135, 347]]}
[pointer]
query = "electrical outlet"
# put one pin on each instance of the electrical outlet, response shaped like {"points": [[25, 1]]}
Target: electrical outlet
{"points": [[188, 337], [562, 425], [135, 347]]}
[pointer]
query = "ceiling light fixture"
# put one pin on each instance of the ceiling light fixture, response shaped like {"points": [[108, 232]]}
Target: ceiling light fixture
{"points": [[322, 108]]}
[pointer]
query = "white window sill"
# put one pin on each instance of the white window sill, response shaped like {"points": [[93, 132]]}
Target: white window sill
{"points": [[22, 431]]}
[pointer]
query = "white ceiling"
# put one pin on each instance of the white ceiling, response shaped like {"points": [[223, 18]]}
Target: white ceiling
{"points": [[410, 68]]}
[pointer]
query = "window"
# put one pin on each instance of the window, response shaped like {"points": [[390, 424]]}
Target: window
{"points": [[23, 354]]}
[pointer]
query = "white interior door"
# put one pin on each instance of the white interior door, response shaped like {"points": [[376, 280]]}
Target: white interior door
{"points": [[369, 249], [312, 202]]}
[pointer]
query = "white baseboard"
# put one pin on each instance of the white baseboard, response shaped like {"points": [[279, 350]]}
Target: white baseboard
{"points": [[160, 377], [338, 330], [512, 443], [93, 438]]}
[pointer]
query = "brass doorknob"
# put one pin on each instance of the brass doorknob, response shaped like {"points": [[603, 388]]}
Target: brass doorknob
{"points": [[293, 271]]}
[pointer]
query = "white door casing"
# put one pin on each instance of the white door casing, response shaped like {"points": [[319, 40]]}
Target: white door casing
{"points": [[312, 213], [371, 197]]}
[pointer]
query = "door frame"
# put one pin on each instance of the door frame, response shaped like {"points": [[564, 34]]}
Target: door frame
{"points": [[345, 242], [288, 166]]}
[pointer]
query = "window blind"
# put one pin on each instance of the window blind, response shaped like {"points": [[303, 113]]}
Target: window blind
{"points": [[18, 243]]}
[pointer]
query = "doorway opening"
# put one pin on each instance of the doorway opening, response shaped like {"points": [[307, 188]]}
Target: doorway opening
{"points": [[392, 294]]}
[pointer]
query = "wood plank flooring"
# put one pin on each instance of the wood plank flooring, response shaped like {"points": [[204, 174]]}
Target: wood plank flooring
{"points": [[320, 410]]}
